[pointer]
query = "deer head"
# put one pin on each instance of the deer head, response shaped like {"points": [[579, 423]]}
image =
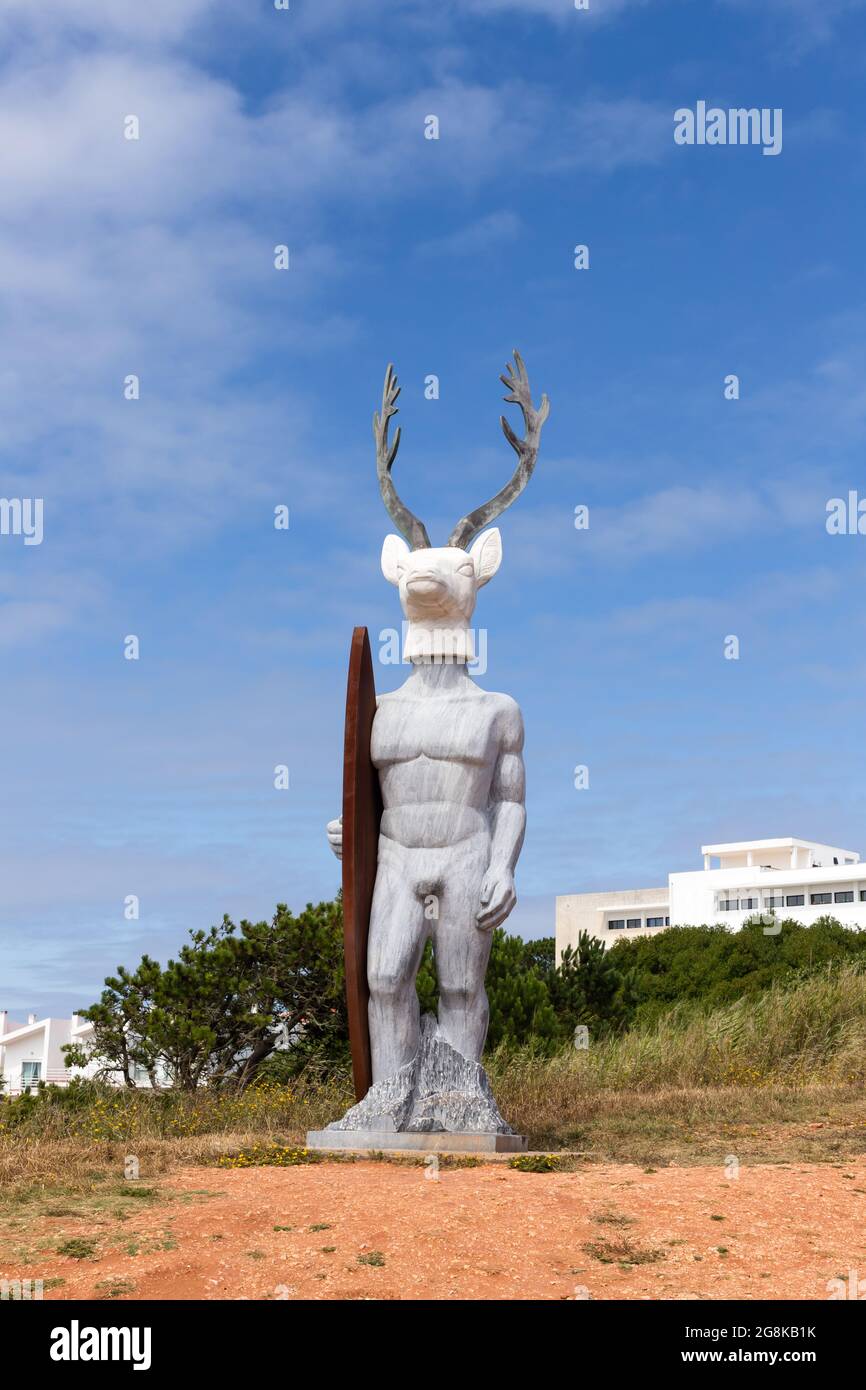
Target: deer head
{"points": [[438, 585]]}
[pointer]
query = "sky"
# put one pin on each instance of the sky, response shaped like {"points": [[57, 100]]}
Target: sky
{"points": [[155, 257]]}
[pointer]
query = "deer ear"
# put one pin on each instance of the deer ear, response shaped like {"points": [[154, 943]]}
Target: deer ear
{"points": [[486, 554], [395, 552]]}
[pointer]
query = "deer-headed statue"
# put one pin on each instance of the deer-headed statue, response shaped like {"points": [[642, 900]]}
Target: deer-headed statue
{"points": [[450, 766]]}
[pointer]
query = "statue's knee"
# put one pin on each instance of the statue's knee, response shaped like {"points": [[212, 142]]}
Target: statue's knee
{"points": [[386, 984], [459, 998]]}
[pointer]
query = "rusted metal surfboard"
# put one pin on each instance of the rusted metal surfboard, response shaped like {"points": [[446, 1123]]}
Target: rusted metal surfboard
{"points": [[362, 812]]}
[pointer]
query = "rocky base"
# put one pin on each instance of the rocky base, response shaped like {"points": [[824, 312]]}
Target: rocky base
{"points": [[438, 1092]]}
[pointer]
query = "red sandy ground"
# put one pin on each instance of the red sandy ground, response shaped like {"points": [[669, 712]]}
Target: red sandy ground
{"points": [[484, 1233]]}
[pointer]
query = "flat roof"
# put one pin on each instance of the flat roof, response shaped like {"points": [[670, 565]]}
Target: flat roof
{"points": [[22, 1029], [786, 842]]}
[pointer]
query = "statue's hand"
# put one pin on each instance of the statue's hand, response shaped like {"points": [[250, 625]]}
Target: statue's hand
{"points": [[497, 898], [335, 836]]}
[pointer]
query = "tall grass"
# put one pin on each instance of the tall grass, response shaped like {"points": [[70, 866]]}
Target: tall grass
{"points": [[103, 1114], [779, 1055], [811, 1031], [778, 1058]]}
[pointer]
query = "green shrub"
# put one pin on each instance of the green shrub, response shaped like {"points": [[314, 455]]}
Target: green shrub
{"points": [[536, 1163]]}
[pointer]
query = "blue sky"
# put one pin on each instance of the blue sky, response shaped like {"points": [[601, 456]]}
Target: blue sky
{"points": [[707, 516]]}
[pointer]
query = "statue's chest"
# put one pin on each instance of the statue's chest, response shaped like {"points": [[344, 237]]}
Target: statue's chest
{"points": [[451, 730]]}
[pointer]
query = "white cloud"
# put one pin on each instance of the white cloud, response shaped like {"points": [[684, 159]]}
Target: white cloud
{"points": [[802, 24], [107, 20], [154, 256], [605, 134], [676, 519], [36, 603], [562, 11], [491, 230]]}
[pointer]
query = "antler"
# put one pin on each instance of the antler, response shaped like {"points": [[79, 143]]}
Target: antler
{"points": [[526, 449], [414, 530]]}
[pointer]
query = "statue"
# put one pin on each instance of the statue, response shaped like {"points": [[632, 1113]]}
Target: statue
{"points": [[449, 761]]}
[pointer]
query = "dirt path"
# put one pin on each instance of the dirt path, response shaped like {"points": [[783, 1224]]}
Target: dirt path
{"points": [[373, 1230]]}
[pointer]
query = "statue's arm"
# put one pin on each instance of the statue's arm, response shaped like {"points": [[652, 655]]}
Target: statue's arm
{"points": [[335, 827], [507, 823]]}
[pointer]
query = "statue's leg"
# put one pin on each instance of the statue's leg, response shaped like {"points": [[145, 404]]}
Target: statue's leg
{"points": [[462, 951], [398, 932]]}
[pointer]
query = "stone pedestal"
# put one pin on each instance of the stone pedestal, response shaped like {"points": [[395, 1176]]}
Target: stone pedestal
{"points": [[393, 1141]]}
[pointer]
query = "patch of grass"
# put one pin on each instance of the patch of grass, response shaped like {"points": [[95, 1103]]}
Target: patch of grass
{"points": [[271, 1155], [146, 1245], [535, 1163], [114, 1288], [621, 1252], [614, 1218], [78, 1248], [373, 1257], [321, 1226]]}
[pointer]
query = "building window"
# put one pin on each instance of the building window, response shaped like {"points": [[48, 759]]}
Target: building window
{"points": [[634, 922], [774, 900], [616, 923], [817, 898], [746, 903], [846, 896], [795, 900], [31, 1073], [728, 905], [667, 921], [863, 895], [655, 921]]}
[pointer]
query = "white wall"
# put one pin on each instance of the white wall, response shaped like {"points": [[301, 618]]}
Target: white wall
{"points": [[694, 895], [44, 1044], [590, 912], [27, 1049]]}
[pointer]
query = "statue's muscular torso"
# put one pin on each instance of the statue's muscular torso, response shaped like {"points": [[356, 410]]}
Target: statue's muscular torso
{"points": [[437, 757]]}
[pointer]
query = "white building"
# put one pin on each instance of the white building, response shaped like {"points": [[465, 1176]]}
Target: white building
{"points": [[30, 1053], [800, 879]]}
